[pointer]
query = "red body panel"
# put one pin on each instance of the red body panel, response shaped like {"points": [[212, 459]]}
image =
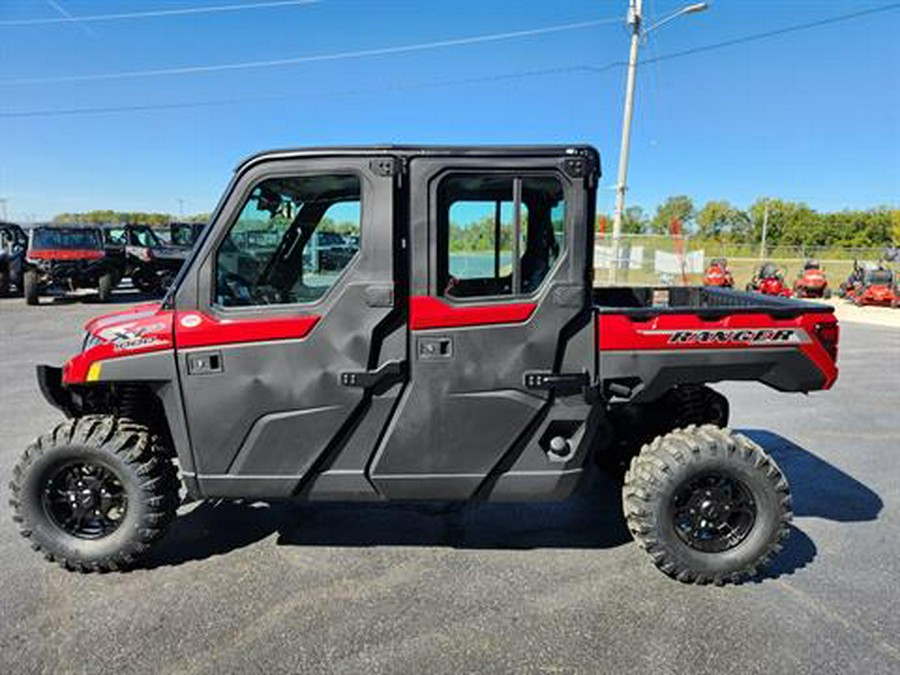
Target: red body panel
{"points": [[140, 330], [194, 329], [874, 295], [428, 312], [676, 332], [66, 254], [812, 279], [148, 328], [716, 275], [773, 286]]}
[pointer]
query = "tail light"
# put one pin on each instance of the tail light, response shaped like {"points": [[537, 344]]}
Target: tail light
{"points": [[827, 335]]}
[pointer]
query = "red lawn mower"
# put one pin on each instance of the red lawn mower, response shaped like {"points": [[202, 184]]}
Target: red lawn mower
{"points": [[877, 287], [718, 274], [769, 280], [811, 282]]}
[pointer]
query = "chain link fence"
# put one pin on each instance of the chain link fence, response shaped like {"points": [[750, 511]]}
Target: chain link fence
{"points": [[646, 259]]}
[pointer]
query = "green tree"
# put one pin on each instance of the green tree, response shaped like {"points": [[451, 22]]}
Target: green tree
{"points": [[680, 206], [719, 219], [634, 221]]}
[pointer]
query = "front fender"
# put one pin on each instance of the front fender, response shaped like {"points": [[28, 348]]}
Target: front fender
{"points": [[50, 383]]}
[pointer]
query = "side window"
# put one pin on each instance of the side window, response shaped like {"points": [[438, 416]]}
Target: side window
{"points": [[292, 240], [115, 236], [498, 235]]}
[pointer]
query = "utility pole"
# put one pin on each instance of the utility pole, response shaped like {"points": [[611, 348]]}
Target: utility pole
{"points": [[765, 230], [635, 17]]}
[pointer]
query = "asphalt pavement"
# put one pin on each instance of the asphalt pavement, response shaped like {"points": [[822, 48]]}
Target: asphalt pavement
{"points": [[536, 588]]}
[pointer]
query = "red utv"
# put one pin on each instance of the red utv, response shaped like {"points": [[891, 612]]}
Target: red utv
{"points": [[67, 258], [718, 274], [877, 287], [811, 282], [769, 280]]}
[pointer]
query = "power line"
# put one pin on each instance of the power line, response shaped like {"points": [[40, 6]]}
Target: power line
{"points": [[461, 81], [314, 58], [431, 84], [773, 33], [211, 9], [67, 16]]}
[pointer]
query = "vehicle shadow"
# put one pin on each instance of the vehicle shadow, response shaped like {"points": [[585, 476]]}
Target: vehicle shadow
{"points": [[590, 519], [119, 297], [818, 489]]}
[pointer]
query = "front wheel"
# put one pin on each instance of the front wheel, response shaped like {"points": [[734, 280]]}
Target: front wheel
{"points": [[105, 286], [146, 280], [30, 287], [707, 504], [94, 493]]}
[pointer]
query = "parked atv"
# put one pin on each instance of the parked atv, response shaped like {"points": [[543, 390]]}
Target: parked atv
{"points": [[151, 264], [811, 282], [67, 258], [13, 244], [266, 375], [878, 287], [718, 274], [769, 280], [185, 235]]}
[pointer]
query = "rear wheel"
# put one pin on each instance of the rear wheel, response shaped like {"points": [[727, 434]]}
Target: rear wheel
{"points": [[30, 287], [94, 493], [4, 283], [708, 505], [105, 286]]}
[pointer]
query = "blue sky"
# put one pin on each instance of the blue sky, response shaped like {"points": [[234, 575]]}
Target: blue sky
{"points": [[811, 116]]}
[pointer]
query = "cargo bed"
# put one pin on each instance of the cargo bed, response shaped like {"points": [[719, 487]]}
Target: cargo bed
{"points": [[705, 302], [650, 339]]}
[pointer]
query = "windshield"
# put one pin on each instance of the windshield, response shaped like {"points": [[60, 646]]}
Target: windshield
{"points": [[68, 239], [881, 277]]}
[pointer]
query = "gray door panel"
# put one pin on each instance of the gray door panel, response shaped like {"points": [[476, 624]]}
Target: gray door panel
{"points": [[466, 405], [276, 408]]}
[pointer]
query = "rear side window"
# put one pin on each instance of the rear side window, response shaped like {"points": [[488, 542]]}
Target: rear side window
{"points": [[498, 234], [293, 239]]}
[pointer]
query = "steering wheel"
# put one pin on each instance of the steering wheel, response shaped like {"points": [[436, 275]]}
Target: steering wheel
{"points": [[235, 288]]}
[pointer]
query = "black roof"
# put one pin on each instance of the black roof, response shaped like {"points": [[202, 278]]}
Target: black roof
{"points": [[577, 149]]}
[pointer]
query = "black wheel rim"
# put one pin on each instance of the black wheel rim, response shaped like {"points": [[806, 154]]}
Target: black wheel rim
{"points": [[713, 512], [85, 500]]}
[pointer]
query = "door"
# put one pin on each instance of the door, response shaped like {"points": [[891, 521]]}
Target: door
{"points": [[291, 330], [498, 280]]}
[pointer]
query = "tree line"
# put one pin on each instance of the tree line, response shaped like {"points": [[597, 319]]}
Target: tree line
{"points": [[788, 223], [109, 217]]}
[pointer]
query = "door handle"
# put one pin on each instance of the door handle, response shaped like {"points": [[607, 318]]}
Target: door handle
{"points": [[204, 363], [370, 379], [430, 348]]}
